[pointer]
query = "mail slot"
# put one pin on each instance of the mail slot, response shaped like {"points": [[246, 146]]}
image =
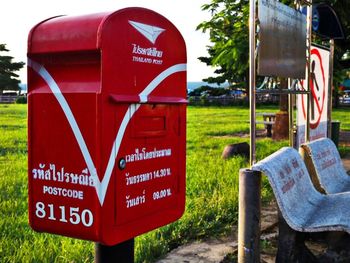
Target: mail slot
{"points": [[106, 125]]}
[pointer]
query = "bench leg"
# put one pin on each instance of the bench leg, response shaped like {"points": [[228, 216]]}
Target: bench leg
{"points": [[291, 245], [269, 130]]}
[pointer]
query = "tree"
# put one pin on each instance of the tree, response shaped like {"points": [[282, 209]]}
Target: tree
{"points": [[229, 33], [8, 79], [341, 65]]}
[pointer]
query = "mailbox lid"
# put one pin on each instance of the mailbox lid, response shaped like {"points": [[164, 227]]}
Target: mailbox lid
{"points": [[66, 33], [144, 60], [135, 44]]}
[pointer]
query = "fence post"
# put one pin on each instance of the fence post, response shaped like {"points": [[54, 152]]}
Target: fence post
{"points": [[249, 216], [120, 253]]}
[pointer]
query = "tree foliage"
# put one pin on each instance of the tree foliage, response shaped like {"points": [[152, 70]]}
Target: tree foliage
{"points": [[228, 31], [342, 47], [229, 34], [210, 91], [8, 77]]}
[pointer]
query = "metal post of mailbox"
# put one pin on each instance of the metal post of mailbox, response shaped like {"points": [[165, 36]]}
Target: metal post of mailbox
{"points": [[120, 253]]}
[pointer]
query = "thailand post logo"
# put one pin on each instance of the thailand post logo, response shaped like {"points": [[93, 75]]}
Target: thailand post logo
{"points": [[148, 31]]}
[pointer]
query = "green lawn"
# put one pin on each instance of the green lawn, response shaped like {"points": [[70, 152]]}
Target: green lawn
{"points": [[342, 115], [212, 187]]}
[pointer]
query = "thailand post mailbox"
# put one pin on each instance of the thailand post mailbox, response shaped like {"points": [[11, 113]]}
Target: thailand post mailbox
{"points": [[106, 125]]}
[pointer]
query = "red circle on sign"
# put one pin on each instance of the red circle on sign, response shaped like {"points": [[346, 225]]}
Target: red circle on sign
{"points": [[313, 93]]}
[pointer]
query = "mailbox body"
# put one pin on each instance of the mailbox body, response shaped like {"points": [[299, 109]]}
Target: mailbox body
{"points": [[106, 125]]}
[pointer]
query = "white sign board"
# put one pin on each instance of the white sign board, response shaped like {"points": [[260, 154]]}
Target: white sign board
{"points": [[319, 97]]}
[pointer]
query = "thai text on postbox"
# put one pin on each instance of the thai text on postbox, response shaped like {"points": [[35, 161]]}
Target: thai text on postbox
{"points": [[106, 125]]}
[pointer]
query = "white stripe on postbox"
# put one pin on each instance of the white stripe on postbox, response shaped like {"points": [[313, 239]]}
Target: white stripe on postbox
{"points": [[69, 115], [157, 80], [101, 187]]}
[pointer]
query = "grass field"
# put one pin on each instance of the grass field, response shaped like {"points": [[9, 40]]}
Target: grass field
{"points": [[212, 188]]}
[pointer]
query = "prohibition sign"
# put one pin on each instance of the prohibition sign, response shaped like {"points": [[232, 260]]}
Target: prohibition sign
{"points": [[318, 89]]}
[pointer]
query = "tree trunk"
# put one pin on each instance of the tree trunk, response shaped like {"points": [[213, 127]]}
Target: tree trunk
{"points": [[247, 88], [281, 126], [335, 98]]}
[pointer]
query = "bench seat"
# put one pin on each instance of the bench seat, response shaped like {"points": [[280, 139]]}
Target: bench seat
{"points": [[302, 206]]}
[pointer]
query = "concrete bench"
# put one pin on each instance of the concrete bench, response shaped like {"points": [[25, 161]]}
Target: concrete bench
{"points": [[325, 166], [268, 121], [302, 206]]}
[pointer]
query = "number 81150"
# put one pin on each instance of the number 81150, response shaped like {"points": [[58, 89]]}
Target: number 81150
{"points": [[70, 215]]}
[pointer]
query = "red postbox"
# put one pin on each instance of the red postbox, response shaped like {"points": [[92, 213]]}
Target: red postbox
{"points": [[106, 125]]}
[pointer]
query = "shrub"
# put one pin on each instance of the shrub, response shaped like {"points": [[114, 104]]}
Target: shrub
{"points": [[21, 100]]}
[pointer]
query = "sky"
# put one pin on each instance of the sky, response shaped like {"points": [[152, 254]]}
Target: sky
{"points": [[19, 16]]}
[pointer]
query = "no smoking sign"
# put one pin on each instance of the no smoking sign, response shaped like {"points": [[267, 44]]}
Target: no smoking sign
{"points": [[318, 86], [319, 72]]}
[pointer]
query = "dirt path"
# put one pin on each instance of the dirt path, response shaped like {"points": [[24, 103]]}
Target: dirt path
{"points": [[225, 249]]}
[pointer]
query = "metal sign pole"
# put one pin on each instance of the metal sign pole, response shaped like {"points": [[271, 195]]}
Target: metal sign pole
{"points": [[250, 181], [330, 85], [252, 80], [291, 115], [309, 94]]}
